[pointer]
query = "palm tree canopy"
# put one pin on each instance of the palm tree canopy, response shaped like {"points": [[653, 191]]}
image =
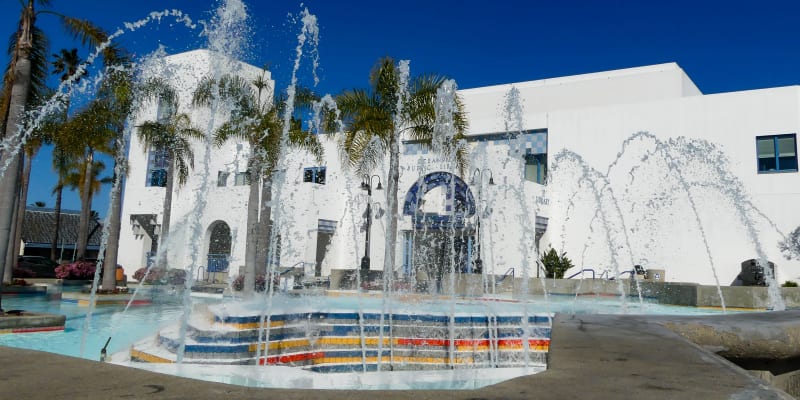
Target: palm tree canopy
{"points": [[77, 172], [371, 116], [256, 119], [66, 63]]}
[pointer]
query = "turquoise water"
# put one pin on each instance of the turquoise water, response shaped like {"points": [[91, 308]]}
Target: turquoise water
{"points": [[143, 321], [107, 321]]}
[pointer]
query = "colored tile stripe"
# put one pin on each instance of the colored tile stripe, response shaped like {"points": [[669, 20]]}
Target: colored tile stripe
{"points": [[355, 356], [137, 355], [85, 303], [319, 358], [286, 333], [249, 320], [31, 330]]}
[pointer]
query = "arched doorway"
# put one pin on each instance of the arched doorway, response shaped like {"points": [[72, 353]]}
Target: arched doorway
{"points": [[440, 240], [219, 250]]}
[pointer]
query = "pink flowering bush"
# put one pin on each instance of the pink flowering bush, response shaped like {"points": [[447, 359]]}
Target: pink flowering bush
{"points": [[76, 270]]}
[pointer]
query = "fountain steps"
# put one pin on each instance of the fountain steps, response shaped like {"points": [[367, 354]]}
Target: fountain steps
{"points": [[332, 341]]}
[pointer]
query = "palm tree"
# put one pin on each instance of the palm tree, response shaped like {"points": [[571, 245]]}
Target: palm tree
{"points": [[66, 63], [114, 103], [40, 136], [259, 121], [375, 120], [171, 133], [84, 135], [22, 74], [61, 164]]}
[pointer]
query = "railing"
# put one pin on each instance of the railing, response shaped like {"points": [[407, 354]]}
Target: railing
{"points": [[631, 272], [509, 272], [582, 271]]}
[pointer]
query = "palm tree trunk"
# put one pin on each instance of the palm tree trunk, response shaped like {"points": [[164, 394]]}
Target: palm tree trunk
{"points": [[57, 215], [164, 236], [251, 244], [112, 243], [391, 205], [11, 255], [86, 207], [264, 226], [23, 196], [19, 98]]}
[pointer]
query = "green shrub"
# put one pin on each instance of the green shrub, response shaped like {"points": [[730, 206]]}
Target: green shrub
{"points": [[554, 264], [789, 284]]}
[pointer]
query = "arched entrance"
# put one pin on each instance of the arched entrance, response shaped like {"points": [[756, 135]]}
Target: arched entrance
{"points": [[441, 240], [219, 250]]}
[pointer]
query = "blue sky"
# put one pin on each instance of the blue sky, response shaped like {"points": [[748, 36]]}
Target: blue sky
{"points": [[722, 45]]}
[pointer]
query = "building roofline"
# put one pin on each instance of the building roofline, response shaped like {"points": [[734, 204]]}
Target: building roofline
{"points": [[616, 73]]}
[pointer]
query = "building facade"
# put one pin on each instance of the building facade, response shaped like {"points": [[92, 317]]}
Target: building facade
{"points": [[619, 168]]}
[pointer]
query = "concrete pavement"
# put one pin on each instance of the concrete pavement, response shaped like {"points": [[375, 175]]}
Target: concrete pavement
{"points": [[591, 357]]}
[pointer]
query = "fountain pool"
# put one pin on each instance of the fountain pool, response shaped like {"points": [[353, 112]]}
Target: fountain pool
{"points": [[140, 326]]}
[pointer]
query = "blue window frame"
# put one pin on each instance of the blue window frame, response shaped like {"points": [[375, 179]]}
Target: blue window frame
{"points": [[314, 175], [777, 153], [536, 168], [157, 163]]}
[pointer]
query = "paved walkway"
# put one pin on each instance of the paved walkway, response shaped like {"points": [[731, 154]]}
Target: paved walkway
{"points": [[591, 357]]}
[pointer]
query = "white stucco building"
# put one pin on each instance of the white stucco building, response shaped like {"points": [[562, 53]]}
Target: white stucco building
{"points": [[616, 168]]}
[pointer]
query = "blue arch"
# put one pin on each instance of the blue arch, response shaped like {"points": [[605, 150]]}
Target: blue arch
{"points": [[460, 202]]}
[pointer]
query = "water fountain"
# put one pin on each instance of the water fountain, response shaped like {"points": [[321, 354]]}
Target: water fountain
{"points": [[376, 339]]}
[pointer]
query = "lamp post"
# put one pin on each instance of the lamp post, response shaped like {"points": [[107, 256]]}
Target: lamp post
{"points": [[366, 184], [480, 174]]}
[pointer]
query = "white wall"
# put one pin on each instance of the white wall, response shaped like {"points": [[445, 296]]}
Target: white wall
{"points": [[663, 231], [192, 214], [650, 219]]}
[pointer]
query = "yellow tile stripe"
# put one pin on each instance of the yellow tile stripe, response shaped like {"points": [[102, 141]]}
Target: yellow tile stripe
{"points": [[373, 342], [352, 341], [253, 325], [146, 357], [284, 344], [396, 359]]}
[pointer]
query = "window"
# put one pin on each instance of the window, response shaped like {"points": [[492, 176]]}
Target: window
{"points": [[777, 153], [222, 178], [157, 168], [242, 179], [158, 178], [314, 175], [536, 168]]}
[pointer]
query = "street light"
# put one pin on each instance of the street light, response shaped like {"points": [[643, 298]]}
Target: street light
{"points": [[480, 173], [366, 184]]}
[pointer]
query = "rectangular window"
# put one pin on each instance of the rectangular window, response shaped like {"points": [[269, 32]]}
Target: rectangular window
{"points": [[158, 178], [157, 164], [536, 168], [242, 179], [222, 178], [314, 175], [777, 153]]}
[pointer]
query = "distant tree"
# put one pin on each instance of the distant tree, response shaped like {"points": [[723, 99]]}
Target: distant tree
{"points": [[40, 204], [65, 63]]}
